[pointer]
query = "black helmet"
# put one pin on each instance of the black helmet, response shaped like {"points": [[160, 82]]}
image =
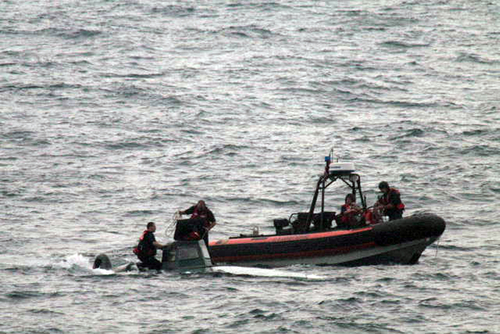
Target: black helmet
{"points": [[383, 185]]}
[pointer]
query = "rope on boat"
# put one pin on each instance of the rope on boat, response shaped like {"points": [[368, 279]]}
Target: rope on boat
{"points": [[169, 230], [437, 247]]}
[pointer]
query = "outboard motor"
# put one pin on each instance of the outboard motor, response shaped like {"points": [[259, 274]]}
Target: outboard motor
{"points": [[102, 261]]}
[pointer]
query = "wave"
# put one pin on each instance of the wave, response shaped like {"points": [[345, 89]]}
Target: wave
{"points": [[50, 86], [478, 150], [474, 58], [75, 33], [174, 10], [403, 45], [133, 75], [65, 33], [140, 213], [398, 103], [268, 5], [411, 133], [248, 31], [133, 144]]}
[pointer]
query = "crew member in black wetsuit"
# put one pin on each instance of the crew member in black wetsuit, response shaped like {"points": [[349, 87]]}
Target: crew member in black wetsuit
{"points": [[390, 202], [201, 211], [146, 249]]}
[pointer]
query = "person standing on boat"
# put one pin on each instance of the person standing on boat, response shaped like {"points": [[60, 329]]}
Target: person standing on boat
{"points": [[200, 210], [350, 212], [390, 202], [146, 249]]}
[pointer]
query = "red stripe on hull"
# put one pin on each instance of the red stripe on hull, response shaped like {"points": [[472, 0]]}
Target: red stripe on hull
{"points": [[316, 253]]}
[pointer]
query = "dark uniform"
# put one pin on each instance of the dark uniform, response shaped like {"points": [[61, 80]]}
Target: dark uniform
{"points": [[393, 197], [207, 216], [146, 251]]}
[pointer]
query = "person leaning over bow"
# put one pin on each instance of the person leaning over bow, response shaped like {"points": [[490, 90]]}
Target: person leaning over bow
{"points": [[200, 210], [146, 249], [390, 202]]}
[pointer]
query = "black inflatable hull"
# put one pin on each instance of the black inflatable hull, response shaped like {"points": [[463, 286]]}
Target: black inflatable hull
{"points": [[401, 241]]}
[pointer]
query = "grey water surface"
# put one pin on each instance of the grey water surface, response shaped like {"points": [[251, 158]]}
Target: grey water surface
{"points": [[116, 113]]}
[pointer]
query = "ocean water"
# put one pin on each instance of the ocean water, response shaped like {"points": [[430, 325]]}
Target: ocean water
{"points": [[116, 113]]}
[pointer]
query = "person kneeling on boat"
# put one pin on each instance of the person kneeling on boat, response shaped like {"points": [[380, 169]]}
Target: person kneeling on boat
{"points": [[390, 203], [200, 211], [350, 212], [146, 249]]}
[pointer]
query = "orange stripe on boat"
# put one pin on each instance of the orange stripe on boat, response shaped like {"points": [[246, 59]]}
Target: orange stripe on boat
{"points": [[286, 238]]}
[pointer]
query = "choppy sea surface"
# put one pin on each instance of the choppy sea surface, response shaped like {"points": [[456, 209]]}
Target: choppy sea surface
{"points": [[116, 113]]}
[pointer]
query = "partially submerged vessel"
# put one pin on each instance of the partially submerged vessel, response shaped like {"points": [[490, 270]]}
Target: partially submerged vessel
{"points": [[183, 256], [319, 237]]}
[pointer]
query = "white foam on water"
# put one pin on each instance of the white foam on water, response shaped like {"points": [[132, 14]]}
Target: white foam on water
{"points": [[263, 272], [81, 263]]}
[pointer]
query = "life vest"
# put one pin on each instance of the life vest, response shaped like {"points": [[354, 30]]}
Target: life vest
{"points": [[142, 249], [346, 217], [369, 217], [351, 217], [385, 199], [192, 236], [372, 218], [203, 215], [198, 214]]}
